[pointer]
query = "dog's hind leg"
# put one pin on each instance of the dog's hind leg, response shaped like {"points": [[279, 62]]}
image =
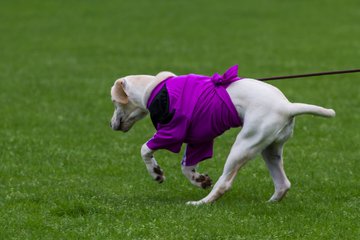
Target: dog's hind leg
{"points": [[273, 156], [248, 144]]}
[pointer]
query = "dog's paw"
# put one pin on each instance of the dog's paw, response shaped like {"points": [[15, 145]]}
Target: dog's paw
{"points": [[195, 203], [202, 180], [158, 174], [155, 171], [278, 195]]}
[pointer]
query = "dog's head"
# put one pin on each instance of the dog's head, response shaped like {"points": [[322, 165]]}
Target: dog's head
{"points": [[128, 110], [129, 95]]}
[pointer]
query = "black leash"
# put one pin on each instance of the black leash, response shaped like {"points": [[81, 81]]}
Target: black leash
{"points": [[310, 74]]}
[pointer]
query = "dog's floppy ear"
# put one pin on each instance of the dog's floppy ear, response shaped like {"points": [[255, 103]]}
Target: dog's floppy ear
{"points": [[118, 93]]}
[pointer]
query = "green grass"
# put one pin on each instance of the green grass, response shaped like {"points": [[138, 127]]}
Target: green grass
{"points": [[65, 175]]}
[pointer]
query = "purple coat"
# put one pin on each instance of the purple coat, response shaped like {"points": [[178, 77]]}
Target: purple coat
{"points": [[192, 109]]}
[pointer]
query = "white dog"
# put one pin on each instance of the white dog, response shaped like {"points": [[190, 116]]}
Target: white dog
{"points": [[267, 123]]}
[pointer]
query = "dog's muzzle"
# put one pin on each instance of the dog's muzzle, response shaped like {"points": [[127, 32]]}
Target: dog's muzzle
{"points": [[115, 126], [119, 126]]}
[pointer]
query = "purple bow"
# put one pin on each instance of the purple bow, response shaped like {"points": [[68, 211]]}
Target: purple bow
{"points": [[228, 77]]}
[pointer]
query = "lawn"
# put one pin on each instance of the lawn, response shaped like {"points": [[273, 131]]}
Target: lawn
{"points": [[64, 174]]}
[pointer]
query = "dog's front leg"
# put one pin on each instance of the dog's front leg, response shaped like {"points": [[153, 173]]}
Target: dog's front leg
{"points": [[197, 179], [152, 166]]}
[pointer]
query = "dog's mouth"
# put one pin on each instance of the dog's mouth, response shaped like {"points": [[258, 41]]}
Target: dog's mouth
{"points": [[119, 127], [124, 130]]}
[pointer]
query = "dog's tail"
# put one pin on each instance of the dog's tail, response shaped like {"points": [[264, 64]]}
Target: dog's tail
{"points": [[302, 108]]}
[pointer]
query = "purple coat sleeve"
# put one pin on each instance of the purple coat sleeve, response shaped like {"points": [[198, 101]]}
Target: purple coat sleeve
{"points": [[196, 153], [170, 136]]}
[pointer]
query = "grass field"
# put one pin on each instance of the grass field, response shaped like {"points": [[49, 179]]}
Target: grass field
{"points": [[64, 174]]}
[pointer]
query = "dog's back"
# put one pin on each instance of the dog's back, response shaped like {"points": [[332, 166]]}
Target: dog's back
{"points": [[253, 95]]}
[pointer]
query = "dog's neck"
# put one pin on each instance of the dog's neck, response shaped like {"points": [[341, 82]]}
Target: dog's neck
{"points": [[139, 87], [152, 84], [148, 90]]}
